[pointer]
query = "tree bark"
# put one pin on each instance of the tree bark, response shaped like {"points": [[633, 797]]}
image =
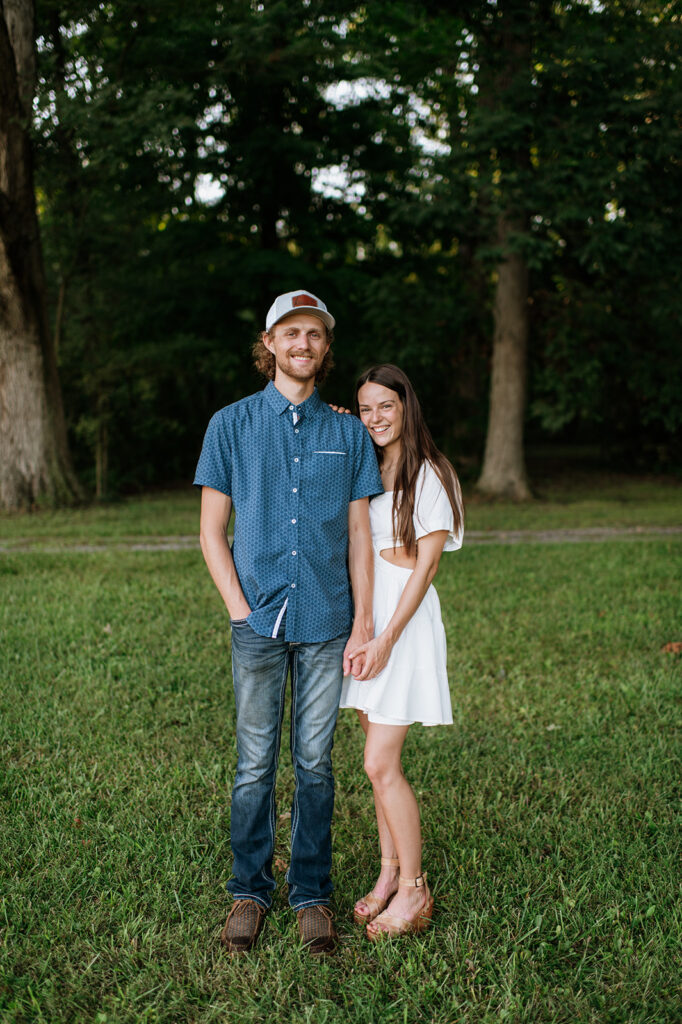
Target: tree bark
{"points": [[34, 458], [508, 60], [504, 469]]}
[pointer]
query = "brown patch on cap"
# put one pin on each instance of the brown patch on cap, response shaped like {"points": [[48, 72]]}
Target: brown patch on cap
{"points": [[303, 300]]}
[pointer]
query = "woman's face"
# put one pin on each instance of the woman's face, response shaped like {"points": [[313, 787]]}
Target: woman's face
{"points": [[381, 410]]}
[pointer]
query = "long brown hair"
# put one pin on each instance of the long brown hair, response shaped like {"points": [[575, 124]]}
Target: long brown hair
{"points": [[417, 447]]}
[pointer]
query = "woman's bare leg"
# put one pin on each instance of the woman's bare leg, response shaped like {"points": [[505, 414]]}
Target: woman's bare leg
{"points": [[387, 882], [383, 748], [385, 839]]}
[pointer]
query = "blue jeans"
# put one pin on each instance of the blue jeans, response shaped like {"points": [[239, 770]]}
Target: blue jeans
{"points": [[260, 666]]}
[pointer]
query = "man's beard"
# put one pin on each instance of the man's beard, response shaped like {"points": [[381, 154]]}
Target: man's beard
{"points": [[299, 371]]}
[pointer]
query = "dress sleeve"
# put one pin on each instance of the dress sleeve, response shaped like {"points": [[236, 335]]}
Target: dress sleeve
{"points": [[214, 468], [432, 509]]}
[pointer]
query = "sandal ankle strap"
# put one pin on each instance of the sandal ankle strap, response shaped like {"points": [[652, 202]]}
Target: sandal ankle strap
{"points": [[417, 882]]}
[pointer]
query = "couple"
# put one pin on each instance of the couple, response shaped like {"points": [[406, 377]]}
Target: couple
{"points": [[300, 478]]}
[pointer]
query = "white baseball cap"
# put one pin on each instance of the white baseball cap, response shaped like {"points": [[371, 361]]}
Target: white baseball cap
{"points": [[298, 302]]}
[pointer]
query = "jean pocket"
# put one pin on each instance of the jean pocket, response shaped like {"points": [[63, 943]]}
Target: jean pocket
{"points": [[239, 622]]}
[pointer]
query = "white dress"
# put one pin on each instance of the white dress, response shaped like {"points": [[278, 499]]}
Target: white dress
{"points": [[413, 687]]}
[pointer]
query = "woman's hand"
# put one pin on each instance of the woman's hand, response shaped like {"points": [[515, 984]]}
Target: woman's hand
{"points": [[376, 653], [339, 408]]}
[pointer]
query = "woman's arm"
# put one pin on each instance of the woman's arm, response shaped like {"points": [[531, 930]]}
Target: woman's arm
{"points": [[378, 651]]}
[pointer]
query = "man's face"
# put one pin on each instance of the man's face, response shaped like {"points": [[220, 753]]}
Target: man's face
{"points": [[299, 344]]}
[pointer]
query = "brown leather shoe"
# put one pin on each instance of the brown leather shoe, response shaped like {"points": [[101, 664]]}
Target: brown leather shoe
{"points": [[316, 925], [243, 926]]}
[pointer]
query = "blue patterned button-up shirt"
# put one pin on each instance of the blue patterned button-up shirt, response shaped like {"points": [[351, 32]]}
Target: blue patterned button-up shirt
{"points": [[291, 471]]}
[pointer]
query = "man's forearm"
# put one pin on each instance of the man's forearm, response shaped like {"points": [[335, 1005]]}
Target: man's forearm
{"points": [[362, 584], [218, 557], [361, 569]]}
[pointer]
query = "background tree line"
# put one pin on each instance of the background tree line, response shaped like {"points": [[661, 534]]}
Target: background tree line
{"points": [[484, 192]]}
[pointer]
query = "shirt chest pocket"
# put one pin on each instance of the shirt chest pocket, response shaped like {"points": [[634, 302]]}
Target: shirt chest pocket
{"points": [[327, 474]]}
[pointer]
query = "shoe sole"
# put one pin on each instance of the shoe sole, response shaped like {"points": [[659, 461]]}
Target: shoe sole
{"points": [[418, 926], [326, 951]]}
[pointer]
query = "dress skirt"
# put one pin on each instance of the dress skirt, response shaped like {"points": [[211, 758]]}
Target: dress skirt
{"points": [[413, 687]]}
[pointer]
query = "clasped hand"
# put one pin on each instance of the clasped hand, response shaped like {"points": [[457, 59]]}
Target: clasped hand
{"points": [[370, 658]]}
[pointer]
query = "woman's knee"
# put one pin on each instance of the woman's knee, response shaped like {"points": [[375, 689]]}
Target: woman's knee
{"points": [[380, 771]]}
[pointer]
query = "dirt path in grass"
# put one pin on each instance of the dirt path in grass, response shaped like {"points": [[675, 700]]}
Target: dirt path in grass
{"points": [[190, 542]]}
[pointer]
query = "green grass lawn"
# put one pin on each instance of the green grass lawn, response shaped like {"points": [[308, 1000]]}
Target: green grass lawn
{"points": [[166, 513], [564, 501], [584, 501], [551, 809]]}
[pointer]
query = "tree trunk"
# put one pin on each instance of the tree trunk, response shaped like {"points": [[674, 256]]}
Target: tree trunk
{"points": [[504, 470], [34, 458], [509, 63]]}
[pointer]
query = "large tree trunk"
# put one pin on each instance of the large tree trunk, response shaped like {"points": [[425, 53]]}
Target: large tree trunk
{"points": [[34, 459], [508, 64], [504, 469]]}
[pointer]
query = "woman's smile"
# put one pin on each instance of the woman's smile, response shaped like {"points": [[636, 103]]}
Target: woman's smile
{"points": [[381, 410]]}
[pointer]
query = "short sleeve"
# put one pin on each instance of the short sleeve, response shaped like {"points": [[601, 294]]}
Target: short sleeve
{"points": [[432, 510], [366, 476], [214, 468]]}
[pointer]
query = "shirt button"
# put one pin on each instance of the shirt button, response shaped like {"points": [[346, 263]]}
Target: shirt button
{"points": [[293, 586], [293, 520], [291, 408], [295, 490], [293, 552], [296, 430], [295, 460]]}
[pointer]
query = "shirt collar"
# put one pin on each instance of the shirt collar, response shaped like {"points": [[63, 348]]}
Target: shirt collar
{"points": [[280, 403]]}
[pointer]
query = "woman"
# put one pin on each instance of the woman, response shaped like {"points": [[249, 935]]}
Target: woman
{"points": [[400, 674]]}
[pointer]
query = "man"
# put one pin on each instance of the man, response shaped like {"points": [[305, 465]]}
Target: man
{"points": [[299, 478]]}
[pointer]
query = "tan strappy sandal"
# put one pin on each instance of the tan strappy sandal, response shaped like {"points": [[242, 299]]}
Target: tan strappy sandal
{"points": [[401, 925], [375, 904]]}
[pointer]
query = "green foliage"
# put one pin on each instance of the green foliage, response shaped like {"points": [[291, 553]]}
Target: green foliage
{"points": [[564, 119], [435, 132]]}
